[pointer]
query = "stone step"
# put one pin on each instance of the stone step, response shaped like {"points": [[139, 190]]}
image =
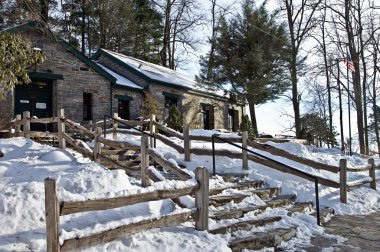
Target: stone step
{"points": [[51, 141], [224, 199], [300, 207], [118, 152], [258, 241], [232, 177], [325, 214], [279, 201], [240, 185], [263, 193], [245, 225]]}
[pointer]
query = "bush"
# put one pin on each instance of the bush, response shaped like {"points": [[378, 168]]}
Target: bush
{"points": [[149, 106], [174, 119], [246, 125]]}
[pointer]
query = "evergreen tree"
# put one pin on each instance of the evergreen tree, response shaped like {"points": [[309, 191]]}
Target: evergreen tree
{"points": [[174, 119], [15, 56], [130, 27], [246, 125], [316, 129], [250, 53]]}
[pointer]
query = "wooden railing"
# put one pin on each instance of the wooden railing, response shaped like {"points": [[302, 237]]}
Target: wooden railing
{"points": [[65, 125], [185, 149], [55, 208], [342, 169]]}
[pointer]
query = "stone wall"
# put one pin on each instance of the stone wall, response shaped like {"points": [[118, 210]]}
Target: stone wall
{"points": [[134, 105], [156, 91], [78, 77], [192, 111], [190, 107]]}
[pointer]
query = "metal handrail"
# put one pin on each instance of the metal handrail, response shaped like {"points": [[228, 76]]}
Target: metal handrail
{"points": [[215, 136], [135, 128]]}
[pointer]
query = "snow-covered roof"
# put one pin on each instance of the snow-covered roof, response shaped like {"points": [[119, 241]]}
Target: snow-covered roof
{"points": [[164, 75], [120, 80], [156, 72]]}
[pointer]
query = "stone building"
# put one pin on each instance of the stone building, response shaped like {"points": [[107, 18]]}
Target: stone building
{"points": [[110, 82], [66, 79], [200, 108]]}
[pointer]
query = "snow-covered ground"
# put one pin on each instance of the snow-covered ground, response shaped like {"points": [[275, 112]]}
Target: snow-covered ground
{"points": [[26, 164]]}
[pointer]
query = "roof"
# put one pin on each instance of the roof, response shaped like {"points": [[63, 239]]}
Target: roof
{"points": [[38, 26], [156, 73], [121, 80]]}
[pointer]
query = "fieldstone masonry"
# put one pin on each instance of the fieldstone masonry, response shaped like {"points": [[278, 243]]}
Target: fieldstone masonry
{"points": [[79, 78], [66, 93]]}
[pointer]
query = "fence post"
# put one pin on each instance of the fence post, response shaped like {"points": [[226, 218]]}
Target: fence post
{"points": [[343, 180], [244, 144], [97, 147], [26, 124], [144, 161], [187, 144], [372, 174], [61, 129], [152, 128], [18, 126], [114, 126], [52, 216], [202, 198], [91, 125]]}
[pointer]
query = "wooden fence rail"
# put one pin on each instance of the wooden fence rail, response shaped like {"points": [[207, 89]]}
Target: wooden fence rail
{"points": [[186, 149], [55, 208]]}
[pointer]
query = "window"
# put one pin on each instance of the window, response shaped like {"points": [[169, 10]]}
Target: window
{"points": [[233, 120], [87, 106], [123, 109], [169, 101], [207, 116]]}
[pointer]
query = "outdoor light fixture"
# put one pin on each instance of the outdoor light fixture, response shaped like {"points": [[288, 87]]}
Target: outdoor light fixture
{"points": [[36, 49]]}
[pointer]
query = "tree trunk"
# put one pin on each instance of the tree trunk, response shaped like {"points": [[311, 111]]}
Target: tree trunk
{"points": [[340, 112], [44, 10], [166, 37], [295, 98], [364, 67], [375, 115], [252, 112], [328, 85], [293, 69], [356, 77]]}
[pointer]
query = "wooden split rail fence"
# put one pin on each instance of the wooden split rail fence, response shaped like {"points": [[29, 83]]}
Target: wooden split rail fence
{"points": [[186, 149], [54, 208], [65, 125], [342, 169]]}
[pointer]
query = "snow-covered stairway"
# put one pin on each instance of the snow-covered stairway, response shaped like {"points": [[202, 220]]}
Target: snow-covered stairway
{"points": [[128, 160], [248, 214]]}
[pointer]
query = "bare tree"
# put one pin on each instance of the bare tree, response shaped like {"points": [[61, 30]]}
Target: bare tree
{"points": [[301, 20], [181, 17]]}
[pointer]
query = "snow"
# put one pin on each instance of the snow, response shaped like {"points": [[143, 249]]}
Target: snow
{"points": [[120, 80], [160, 73], [26, 164]]}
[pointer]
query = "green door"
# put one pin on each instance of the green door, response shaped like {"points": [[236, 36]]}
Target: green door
{"points": [[36, 98]]}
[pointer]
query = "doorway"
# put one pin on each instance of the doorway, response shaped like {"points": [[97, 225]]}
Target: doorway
{"points": [[36, 98]]}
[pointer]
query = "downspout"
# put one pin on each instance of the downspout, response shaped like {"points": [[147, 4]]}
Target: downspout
{"points": [[111, 96]]}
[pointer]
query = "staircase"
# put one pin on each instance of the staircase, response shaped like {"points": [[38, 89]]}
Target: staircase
{"points": [[238, 207], [238, 222]]}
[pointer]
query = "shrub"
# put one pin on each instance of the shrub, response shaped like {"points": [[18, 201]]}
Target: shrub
{"points": [[246, 125]]}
